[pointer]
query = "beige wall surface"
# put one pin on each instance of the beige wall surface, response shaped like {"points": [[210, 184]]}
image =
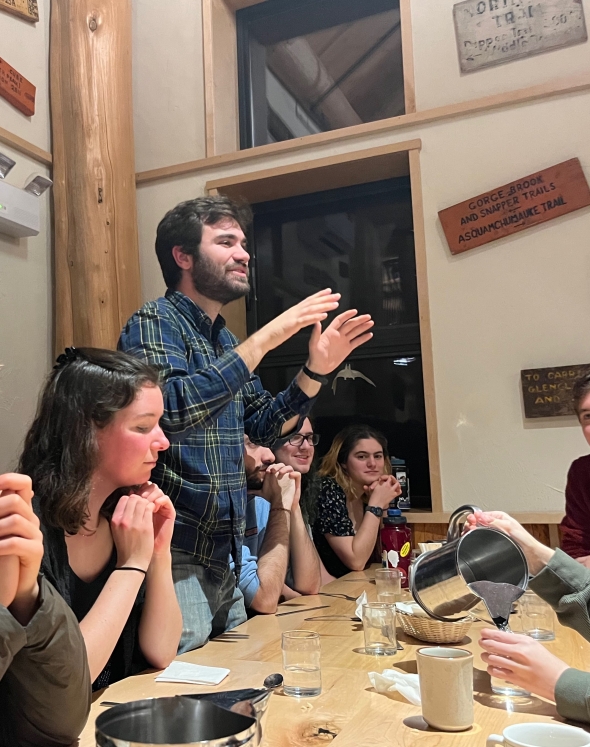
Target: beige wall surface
{"points": [[439, 79], [25, 264], [516, 303], [168, 91]]}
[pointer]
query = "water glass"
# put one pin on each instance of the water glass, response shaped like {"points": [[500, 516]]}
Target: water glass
{"points": [[537, 618], [507, 689], [379, 627], [389, 585], [301, 663]]}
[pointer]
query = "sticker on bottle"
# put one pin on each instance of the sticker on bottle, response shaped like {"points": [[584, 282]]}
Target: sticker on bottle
{"points": [[405, 549]]}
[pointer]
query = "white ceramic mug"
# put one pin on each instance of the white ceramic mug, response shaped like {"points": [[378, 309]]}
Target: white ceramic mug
{"points": [[446, 687], [540, 735]]}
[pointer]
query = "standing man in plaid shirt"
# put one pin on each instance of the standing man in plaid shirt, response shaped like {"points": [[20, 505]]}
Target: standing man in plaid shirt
{"points": [[211, 396]]}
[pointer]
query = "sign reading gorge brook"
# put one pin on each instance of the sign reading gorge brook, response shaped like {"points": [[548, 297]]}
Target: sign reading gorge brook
{"points": [[526, 202], [547, 392]]}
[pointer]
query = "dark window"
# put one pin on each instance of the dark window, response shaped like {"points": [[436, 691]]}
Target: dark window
{"points": [[308, 66], [358, 241]]}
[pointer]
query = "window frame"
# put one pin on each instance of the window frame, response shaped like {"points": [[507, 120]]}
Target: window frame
{"points": [[220, 62]]}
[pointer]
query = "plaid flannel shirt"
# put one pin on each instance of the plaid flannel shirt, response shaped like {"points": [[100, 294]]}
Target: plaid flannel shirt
{"points": [[210, 400]]}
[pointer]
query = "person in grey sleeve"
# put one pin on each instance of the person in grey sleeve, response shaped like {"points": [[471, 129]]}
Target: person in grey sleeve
{"points": [[564, 584], [44, 677]]}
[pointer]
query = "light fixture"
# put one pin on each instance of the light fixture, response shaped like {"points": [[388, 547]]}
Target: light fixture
{"points": [[6, 165], [403, 361], [37, 184]]}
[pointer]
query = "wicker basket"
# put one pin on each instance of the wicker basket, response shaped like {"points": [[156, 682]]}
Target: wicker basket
{"points": [[433, 631]]}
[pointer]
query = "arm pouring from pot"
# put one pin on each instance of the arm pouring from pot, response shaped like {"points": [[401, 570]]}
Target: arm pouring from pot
{"points": [[537, 554]]}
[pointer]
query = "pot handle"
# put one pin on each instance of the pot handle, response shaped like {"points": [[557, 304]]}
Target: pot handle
{"points": [[458, 519]]}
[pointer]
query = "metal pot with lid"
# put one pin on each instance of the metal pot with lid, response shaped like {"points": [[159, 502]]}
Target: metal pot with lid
{"points": [[445, 581], [225, 719]]}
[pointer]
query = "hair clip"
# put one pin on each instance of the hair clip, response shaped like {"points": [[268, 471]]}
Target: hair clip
{"points": [[68, 356]]}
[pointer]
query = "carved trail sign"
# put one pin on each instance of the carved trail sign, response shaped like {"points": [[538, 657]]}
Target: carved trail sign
{"points": [[547, 392], [26, 9], [16, 89], [493, 31], [521, 204]]}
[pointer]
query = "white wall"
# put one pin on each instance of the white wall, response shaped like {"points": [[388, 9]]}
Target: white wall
{"points": [[516, 303], [25, 264], [168, 91]]}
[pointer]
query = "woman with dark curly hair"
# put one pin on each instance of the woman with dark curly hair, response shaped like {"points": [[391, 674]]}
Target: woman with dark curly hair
{"points": [[356, 487], [107, 529]]}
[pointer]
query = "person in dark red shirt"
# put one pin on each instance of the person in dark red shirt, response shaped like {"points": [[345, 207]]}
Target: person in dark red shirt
{"points": [[575, 526]]}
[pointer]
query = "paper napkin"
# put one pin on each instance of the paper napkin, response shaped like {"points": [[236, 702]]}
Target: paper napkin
{"points": [[192, 674], [391, 680], [359, 605]]}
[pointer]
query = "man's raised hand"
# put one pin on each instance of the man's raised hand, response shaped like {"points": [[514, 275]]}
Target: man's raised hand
{"points": [[344, 334]]}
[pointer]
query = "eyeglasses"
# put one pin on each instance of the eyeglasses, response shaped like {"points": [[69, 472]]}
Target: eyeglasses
{"points": [[312, 439]]}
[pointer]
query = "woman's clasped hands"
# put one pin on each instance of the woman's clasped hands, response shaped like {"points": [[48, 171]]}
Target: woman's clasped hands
{"points": [[142, 526]]}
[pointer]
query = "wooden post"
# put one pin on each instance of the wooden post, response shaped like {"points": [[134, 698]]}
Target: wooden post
{"points": [[97, 282]]}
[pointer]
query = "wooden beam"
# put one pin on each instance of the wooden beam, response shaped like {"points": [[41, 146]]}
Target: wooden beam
{"points": [[405, 13], [23, 146], [574, 84], [425, 331], [342, 170], [220, 68], [97, 283]]}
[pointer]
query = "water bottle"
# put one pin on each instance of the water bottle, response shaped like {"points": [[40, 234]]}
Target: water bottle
{"points": [[397, 535]]}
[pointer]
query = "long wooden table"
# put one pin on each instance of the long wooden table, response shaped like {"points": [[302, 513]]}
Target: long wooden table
{"points": [[348, 712]]}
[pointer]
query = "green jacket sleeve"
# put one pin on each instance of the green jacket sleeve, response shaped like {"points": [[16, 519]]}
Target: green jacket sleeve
{"points": [[45, 685], [565, 585]]}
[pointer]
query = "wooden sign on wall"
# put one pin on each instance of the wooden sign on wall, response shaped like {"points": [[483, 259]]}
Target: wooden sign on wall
{"points": [[16, 89], [493, 31], [547, 392], [26, 9], [534, 199]]}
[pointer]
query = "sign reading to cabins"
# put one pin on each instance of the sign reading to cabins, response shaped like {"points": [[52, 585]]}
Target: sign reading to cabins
{"points": [[26, 9], [493, 31], [16, 89], [521, 204], [547, 392]]}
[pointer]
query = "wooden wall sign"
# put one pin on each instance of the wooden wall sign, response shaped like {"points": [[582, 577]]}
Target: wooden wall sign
{"points": [[16, 89], [547, 392], [26, 9], [521, 204], [493, 31]]}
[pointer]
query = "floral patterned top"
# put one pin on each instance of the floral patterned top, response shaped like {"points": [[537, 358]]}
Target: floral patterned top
{"points": [[332, 518]]}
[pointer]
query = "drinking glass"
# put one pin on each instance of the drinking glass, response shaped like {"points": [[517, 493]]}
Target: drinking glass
{"points": [[379, 627], [389, 585], [537, 618], [301, 663]]}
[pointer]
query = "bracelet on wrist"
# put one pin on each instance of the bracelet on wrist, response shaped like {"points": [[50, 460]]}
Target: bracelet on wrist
{"points": [[314, 376], [130, 568]]}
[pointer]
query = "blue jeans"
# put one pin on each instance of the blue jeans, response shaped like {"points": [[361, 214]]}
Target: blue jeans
{"points": [[209, 607]]}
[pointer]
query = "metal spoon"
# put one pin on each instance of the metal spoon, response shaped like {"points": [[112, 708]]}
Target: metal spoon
{"points": [[273, 681]]}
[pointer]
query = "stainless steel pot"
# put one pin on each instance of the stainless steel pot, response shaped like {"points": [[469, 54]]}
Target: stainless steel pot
{"points": [[440, 578], [185, 720]]}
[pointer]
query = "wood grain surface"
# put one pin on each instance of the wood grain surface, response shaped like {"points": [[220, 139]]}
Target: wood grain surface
{"points": [[16, 89], [523, 203], [349, 712]]}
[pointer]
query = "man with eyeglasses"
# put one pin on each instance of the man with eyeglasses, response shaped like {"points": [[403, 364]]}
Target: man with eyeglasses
{"points": [[277, 545]]}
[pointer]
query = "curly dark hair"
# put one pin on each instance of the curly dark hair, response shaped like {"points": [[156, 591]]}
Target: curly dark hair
{"points": [[82, 394], [183, 226]]}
